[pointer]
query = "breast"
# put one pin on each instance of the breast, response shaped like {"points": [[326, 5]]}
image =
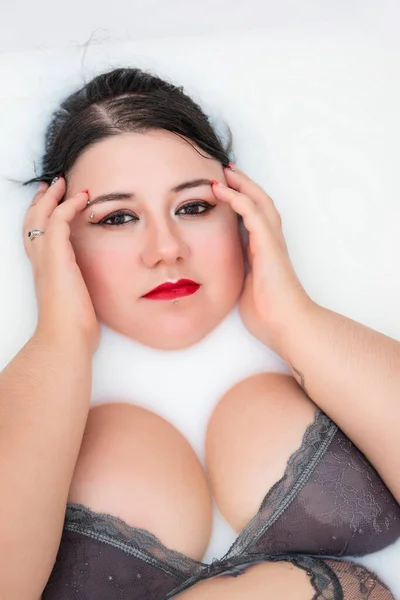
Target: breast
{"points": [[135, 465], [289, 480]]}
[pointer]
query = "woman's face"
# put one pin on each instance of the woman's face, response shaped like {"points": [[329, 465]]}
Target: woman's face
{"points": [[158, 234]]}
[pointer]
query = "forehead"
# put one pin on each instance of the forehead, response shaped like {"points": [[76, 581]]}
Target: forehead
{"points": [[137, 156]]}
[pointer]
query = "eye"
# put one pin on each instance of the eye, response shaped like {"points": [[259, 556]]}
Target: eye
{"points": [[117, 215], [194, 209]]}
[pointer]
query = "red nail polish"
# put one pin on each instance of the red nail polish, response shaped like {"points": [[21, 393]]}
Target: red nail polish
{"points": [[84, 192], [232, 166], [215, 182]]}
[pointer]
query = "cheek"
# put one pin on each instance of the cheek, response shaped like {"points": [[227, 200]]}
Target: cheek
{"points": [[105, 267], [221, 254]]}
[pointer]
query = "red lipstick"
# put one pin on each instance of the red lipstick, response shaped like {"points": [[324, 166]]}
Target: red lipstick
{"points": [[172, 290]]}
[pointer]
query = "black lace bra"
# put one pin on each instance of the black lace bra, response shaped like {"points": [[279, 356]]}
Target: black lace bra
{"points": [[330, 503]]}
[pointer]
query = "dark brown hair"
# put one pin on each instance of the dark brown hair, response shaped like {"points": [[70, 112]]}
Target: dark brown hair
{"points": [[120, 101]]}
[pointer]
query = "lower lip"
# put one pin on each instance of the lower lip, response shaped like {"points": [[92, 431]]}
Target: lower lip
{"points": [[179, 292]]}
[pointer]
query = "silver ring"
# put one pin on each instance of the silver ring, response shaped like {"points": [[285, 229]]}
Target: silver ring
{"points": [[34, 233]]}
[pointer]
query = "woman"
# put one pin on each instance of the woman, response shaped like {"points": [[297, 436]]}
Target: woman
{"points": [[159, 207]]}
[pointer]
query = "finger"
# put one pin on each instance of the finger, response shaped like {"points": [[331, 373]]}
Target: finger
{"points": [[67, 210], [39, 193], [43, 205], [253, 218], [249, 256], [242, 183], [42, 189], [57, 227]]}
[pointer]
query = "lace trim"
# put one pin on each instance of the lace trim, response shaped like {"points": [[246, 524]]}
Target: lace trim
{"points": [[131, 540], [323, 579], [335, 579], [299, 468], [324, 574], [145, 546], [367, 584]]}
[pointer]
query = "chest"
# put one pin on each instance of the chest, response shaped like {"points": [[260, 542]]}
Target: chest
{"points": [[183, 387]]}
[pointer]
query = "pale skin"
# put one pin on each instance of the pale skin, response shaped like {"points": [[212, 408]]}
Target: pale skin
{"points": [[347, 369], [165, 234], [338, 365]]}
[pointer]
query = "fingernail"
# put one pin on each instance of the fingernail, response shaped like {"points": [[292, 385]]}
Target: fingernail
{"points": [[54, 180], [84, 192], [42, 186], [232, 166], [215, 182]]}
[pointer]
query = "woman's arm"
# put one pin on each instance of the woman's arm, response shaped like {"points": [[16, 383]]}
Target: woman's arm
{"points": [[44, 401], [353, 374]]}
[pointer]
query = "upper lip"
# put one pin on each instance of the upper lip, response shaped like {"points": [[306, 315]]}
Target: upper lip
{"points": [[172, 284]]}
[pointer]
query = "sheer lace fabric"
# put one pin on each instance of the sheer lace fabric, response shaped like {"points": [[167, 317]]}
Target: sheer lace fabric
{"points": [[330, 502]]}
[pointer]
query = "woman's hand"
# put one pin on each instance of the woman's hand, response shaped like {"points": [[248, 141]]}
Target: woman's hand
{"points": [[64, 304], [345, 368], [272, 295]]}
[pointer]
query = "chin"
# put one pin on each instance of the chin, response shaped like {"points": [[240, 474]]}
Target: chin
{"points": [[175, 333], [175, 327], [178, 339]]}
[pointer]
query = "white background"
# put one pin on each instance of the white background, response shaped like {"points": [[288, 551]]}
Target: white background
{"points": [[341, 191], [28, 25]]}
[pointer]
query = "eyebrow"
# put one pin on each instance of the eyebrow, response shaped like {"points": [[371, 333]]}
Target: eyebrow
{"points": [[127, 196]]}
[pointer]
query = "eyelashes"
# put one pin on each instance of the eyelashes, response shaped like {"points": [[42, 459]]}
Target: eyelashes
{"points": [[116, 215], [192, 205], [194, 210], [195, 205]]}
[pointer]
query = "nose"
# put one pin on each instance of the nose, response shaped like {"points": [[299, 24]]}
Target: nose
{"points": [[164, 244]]}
